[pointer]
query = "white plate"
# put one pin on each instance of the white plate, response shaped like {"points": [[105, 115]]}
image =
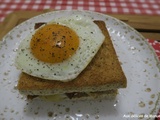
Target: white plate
{"points": [[139, 62]]}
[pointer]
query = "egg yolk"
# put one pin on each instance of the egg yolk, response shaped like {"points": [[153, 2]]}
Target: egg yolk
{"points": [[54, 43]]}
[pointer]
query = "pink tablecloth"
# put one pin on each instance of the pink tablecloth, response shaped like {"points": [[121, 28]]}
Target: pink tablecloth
{"points": [[151, 7]]}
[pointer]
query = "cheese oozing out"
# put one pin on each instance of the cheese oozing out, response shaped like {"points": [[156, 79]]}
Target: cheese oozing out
{"points": [[61, 49]]}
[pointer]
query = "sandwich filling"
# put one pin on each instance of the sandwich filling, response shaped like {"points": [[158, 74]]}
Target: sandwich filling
{"points": [[110, 94]]}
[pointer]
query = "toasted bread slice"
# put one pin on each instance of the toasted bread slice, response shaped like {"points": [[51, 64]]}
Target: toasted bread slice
{"points": [[103, 73]]}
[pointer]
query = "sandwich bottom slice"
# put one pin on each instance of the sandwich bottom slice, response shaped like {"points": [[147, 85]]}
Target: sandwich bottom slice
{"points": [[110, 94], [101, 78]]}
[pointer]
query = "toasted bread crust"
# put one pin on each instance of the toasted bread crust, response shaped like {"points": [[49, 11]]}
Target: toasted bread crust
{"points": [[103, 72]]}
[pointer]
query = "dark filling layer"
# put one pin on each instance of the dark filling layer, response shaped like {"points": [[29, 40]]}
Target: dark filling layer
{"points": [[69, 95], [76, 95]]}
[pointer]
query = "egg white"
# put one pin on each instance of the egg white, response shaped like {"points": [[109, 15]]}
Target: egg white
{"points": [[91, 38]]}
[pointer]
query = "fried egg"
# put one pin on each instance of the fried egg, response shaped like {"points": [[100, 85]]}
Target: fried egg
{"points": [[61, 49]]}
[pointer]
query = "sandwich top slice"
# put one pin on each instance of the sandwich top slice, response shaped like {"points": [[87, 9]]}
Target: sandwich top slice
{"points": [[102, 76]]}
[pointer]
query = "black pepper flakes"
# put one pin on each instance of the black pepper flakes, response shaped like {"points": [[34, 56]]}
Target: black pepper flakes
{"points": [[63, 37], [22, 50], [72, 48], [38, 40]]}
